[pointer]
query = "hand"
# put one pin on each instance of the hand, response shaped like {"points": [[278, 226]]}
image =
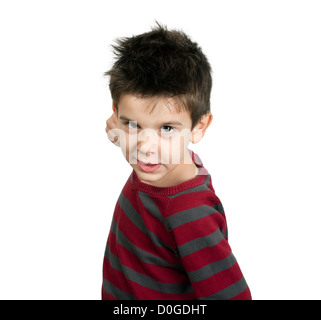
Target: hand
{"points": [[111, 124]]}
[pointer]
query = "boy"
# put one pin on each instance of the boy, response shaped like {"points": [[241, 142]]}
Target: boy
{"points": [[168, 237]]}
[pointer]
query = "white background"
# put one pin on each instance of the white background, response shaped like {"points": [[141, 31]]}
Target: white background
{"points": [[60, 177]]}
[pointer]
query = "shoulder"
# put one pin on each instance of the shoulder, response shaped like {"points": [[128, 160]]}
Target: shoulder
{"points": [[200, 195], [198, 206]]}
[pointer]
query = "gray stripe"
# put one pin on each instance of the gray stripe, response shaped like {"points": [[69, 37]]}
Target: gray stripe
{"points": [[151, 283], [212, 268], [151, 207], [200, 243], [115, 292], [226, 234], [146, 281], [229, 292], [131, 213], [219, 207], [143, 255], [190, 215], [202, 187], [137, 220], [113, 260]]}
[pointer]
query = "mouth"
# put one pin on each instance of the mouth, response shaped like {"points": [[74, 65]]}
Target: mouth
{"points": [[148, 167]]}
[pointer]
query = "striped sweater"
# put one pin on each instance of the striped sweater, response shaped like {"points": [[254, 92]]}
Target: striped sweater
{"points": [[171, 244]]}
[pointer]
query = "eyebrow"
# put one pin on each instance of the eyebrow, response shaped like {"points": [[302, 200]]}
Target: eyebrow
{"points": [[168, 123]]}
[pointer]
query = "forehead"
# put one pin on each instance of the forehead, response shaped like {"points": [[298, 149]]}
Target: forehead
{"points": [[150, 110]]}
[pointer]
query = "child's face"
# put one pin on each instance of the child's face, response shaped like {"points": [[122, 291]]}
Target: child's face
{"points": [[154, 135]]}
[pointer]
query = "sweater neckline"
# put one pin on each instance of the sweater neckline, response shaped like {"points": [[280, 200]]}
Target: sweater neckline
{"points": [[194, 182]]}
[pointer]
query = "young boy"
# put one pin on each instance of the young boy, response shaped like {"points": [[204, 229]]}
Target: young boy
{"points": [[168, 238]]}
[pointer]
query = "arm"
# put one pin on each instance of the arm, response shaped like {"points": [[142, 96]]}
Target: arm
{"points": [[201, 237]]}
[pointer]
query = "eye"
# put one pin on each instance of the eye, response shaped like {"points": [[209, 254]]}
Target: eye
{"points": [[167, 129], [132, 125]]}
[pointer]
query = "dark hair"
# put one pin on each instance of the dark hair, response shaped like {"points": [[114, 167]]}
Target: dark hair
{"points": [[162, 63]]}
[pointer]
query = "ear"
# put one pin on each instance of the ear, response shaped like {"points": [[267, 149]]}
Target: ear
{"points": [[115, 115], [115, 110], [201, 127]]}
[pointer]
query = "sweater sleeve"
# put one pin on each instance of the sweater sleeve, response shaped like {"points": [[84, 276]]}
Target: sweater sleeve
{"points": [[201, 236]]}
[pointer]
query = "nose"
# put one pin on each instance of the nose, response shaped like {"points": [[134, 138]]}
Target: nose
{"points": [[147, 143]]}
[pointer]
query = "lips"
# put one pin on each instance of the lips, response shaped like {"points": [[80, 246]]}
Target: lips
{"points": [[148, 167]]}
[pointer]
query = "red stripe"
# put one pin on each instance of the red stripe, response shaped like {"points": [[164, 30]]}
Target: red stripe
{"points": [[191, 200], [143, 293]]}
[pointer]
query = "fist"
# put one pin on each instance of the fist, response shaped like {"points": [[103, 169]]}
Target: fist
{"points": [[111, 124]]}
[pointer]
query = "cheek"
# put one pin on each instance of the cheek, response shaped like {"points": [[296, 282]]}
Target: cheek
{"points": [[132, 148], [128, 145], [131, 142], [172, 150]]}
